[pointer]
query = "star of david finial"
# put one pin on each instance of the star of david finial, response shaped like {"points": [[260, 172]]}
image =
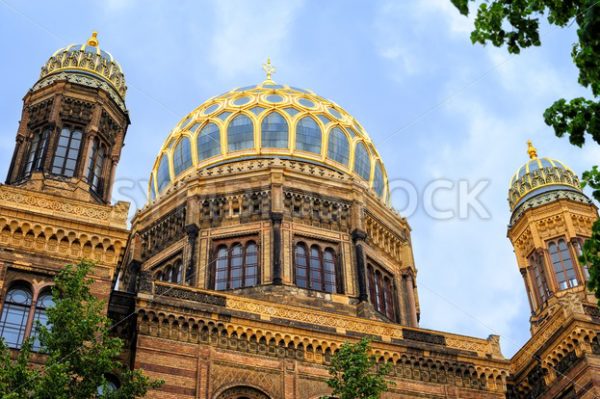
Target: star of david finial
{"points": [[269, 70]]}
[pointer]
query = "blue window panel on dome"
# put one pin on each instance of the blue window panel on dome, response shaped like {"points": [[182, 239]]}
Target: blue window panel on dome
{"points": [[257, 110], [152, 188], [306, 102], [522, 171], [352, 132], [308, 135], [241, 101], [274, 98], [533, 166], [324, 119], [163, 178], [334, 112], [378, 185], [240, 134], [362, 163], [246, 88], [211, 109], [224, 115], [208, 142], [195, 126], [273, 86], [275, 131], [338, 148], [182, 156], [185, 121], [291, 111], [546, 163]]}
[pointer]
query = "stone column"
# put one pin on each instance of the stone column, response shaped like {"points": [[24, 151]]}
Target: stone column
{"points": [[189, 257], [408, 280], [276, 218], [358, 237]]}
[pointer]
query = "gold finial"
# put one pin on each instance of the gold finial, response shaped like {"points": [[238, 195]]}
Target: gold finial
{"points": [[531, 150], [93, 40], [269, 70]]}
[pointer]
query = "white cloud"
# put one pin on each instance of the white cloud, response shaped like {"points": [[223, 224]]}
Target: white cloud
{"points": [[246, 33]]}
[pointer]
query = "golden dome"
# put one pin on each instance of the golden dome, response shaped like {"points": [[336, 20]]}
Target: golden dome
{"points": [[268, 120], [87, 58], [540, 175]]}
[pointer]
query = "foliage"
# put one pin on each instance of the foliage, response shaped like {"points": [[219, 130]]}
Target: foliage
{"points": [[515, 23], [78, 348], [355, 375]]}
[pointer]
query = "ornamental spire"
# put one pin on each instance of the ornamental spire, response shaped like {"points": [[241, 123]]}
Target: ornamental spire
{"points": [[269, 70], [531, 150], [93, 40]]}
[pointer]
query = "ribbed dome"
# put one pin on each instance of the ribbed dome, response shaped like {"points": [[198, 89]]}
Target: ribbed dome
{"points": [[540, 175], [268, 120], [89, 59]]}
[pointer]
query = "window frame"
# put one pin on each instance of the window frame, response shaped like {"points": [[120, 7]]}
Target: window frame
{"points": [[562, 279], [62, 165], [34, 161], [264, 139], [95, 164], [229, 245], [382, 290], [334, 286]]}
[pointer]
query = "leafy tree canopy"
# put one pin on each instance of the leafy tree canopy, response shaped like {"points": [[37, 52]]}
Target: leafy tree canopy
{"points": [[516, 25], [78, 349], [355, 375]]}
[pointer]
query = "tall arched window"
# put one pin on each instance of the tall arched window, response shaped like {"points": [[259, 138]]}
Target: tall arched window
{"points": [[378, 184], [44, 301], [163, 177], [308, 135], [95, 162], [236, 265], [337, 148], [315, 269], [208, 142], [362, 162], [36, 152], [381, 291], [182, 156], [578, 247], [67, 152], [536, 260], [274, 131], [240, 133], [15, 313], [562, 264]]}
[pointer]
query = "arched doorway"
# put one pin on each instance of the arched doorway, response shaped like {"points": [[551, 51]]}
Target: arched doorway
{"points": [[242, 392]]}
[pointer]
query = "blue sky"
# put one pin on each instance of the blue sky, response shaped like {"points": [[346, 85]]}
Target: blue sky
{"points": [[435, 106]]}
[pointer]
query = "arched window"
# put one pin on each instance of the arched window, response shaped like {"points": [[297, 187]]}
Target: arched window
{"points": [[308, 135], [95, 162], [536, 260], [362, 162], [338, 148], [36, 152], [315, 269], [208, 142], [44, 301], [152, 188], [381, 291], [236, 265], [163, 177], [301, 266], [562, 264], [15, 313], [240, 133], [67, 152], [177, 273], [182, 156], [275, 131], [378, 185]]}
